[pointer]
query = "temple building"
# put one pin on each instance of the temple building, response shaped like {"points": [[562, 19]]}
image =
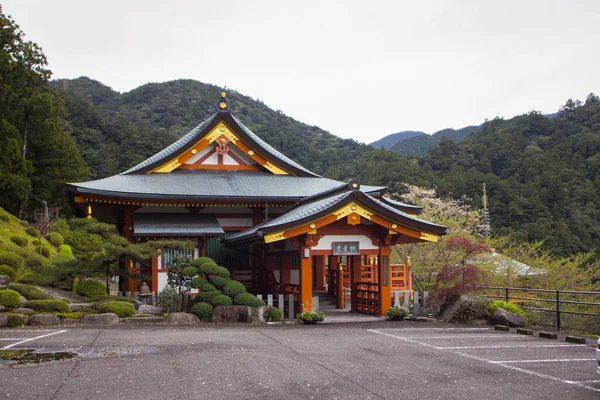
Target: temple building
{"points": [[277, 227]]}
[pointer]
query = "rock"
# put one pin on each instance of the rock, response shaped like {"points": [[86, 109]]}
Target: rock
{"points": [[451, 306], [147, 309], [2, 308], [503, 317], [23, 300], [3, 321], [69, 321], [137, 303], [144, 320], [4, 279], [182, 319], [103, 319], [241, 314], [80, 306], [43, 319], [22, 310]]}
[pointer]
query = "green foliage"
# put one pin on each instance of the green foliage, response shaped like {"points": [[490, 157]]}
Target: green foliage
{"points": [[209, 287], [9, 298], [19, 240], [31, 231], [190, 271], [311, 316], [221, 300], [472, 308], [203, 311], [8, 271], [169, 299], [396, 312], [29, 292], [247, 299], [11, 259], [55, 239], [46, 250], [48, 305], [16, 320], [65, 253], [104, 298], [121, 308], [211, 268], [176, 277], [197, 282], [275, 314], [208, 296], [219, 282], [4, 217], [234, 288], [505, 305], [198, 262], [90, 288]]}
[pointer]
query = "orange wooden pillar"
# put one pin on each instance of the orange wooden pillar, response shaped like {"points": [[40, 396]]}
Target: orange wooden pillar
{"points": [[320, 272], [385, 286], [355, 277], [339, 280], [306, 283]]}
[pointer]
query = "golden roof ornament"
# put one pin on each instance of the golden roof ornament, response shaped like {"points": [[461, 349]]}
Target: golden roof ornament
{"points": [[223, 102]]}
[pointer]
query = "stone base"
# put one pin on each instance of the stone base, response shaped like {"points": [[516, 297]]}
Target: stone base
{"points": [[241, 314]]}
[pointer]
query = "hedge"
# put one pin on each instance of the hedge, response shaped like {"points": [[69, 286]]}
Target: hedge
{"points": [[105, 297], [19, 240], [30, 292], [55, 239], [247, 299], [198, 282], [203, 311], [208, 296], [90, 288], [221, 300], [16, 320], [11, 259], [9, 298], [121, 308], [233, 288], [209, 287], [8, 271], [198, 262], [275, 314], [32, 231], [219, 281], [190, 271], [510, 307], [48, 305]]}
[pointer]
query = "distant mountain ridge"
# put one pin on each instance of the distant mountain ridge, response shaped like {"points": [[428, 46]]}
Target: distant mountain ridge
{"points": [[390, 140]]}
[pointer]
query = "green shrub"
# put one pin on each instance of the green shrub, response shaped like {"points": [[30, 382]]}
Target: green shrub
{"points": [[90, 288], [208, 296], [396, 312], [508, 306], [208, 267], [190, 271], [4, 217], [31, 231], [10, 298], [198, 262], [203, 311], [46, 250], [219, 281], [19, 240], [74, 314], [121, 308], [16, 320], [8, 271], [275, 314], [48, 305], [247, 299], [55, 239], [472, 308], [11, 259], [65, 253], [209, 287], [30, 292], [221, 300], [198, 282], [233, 288], [105, 297]]}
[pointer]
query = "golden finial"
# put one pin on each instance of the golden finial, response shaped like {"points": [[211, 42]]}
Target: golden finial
{"points": [[223, 102]]}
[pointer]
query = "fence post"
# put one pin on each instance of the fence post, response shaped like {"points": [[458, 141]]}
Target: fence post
{"points": [[270, 300], [557, 310], [291, 306], [425, 303], [506, 293], [416, 303], [281, 305]]}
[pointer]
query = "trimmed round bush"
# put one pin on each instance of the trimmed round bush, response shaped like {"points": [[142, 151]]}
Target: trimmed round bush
{"points": [[221, 300], [208, 287], [8, 271], [11, 259], [90, 288], [55, 239], [198, 282], [208, 296], [9, 298], [16, 320], [198, 262], [203, 311], [247, 299], [233, 288], [65, 253], [275, 314], [31, 231], [4, 217], [48, 305], [219, 281], [46, 250], [105, 297], [506, 305], [209, 267], [19, 240], [121, 308], [189, 271], [30, 292]]}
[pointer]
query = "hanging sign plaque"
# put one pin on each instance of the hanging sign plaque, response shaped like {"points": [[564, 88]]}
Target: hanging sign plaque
{"points": [[346, 248]]}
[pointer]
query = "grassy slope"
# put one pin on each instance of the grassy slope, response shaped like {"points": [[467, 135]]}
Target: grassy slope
{"points": [[15, 227]]}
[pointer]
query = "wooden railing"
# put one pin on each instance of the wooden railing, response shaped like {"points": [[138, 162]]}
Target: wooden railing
{"points": [[367, 298]]}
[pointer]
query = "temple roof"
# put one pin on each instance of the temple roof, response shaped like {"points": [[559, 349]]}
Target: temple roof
{"points": [[176, 225]]}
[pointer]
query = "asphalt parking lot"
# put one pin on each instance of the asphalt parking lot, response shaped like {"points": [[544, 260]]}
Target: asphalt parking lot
{"points": [[381, 360]]}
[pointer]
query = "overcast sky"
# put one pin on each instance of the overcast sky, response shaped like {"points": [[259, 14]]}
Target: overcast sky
{"points": [[358, 69]]}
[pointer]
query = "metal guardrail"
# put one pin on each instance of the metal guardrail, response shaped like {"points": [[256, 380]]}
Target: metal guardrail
{"points": [[508, 294]]}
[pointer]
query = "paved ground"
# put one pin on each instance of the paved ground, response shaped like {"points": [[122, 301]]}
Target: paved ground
{"points": [[368, 360]]}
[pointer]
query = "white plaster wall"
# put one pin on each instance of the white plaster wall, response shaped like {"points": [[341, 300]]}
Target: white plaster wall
{"points": [[199, 155], [162, 281], [295, 277]]}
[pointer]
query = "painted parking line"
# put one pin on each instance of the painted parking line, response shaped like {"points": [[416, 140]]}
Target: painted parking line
{"points": [[546, 361], [32, 338], [528, 346], [502, 364]]}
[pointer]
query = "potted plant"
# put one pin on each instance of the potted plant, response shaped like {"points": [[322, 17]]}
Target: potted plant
{"points": [[310, 317], [397, 313]]}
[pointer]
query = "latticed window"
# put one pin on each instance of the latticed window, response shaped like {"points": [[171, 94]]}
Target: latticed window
{"points": [[295, 260], [168, 254]]}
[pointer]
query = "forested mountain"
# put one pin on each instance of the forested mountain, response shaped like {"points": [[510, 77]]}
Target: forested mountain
{"points": [[118, 130], [389, 141], [418, 145]]}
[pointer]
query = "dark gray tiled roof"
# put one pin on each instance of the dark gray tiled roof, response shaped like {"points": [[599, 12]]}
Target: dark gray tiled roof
{"points": [[401, 206], [167, 151], [176, 225], [210, 185]]}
